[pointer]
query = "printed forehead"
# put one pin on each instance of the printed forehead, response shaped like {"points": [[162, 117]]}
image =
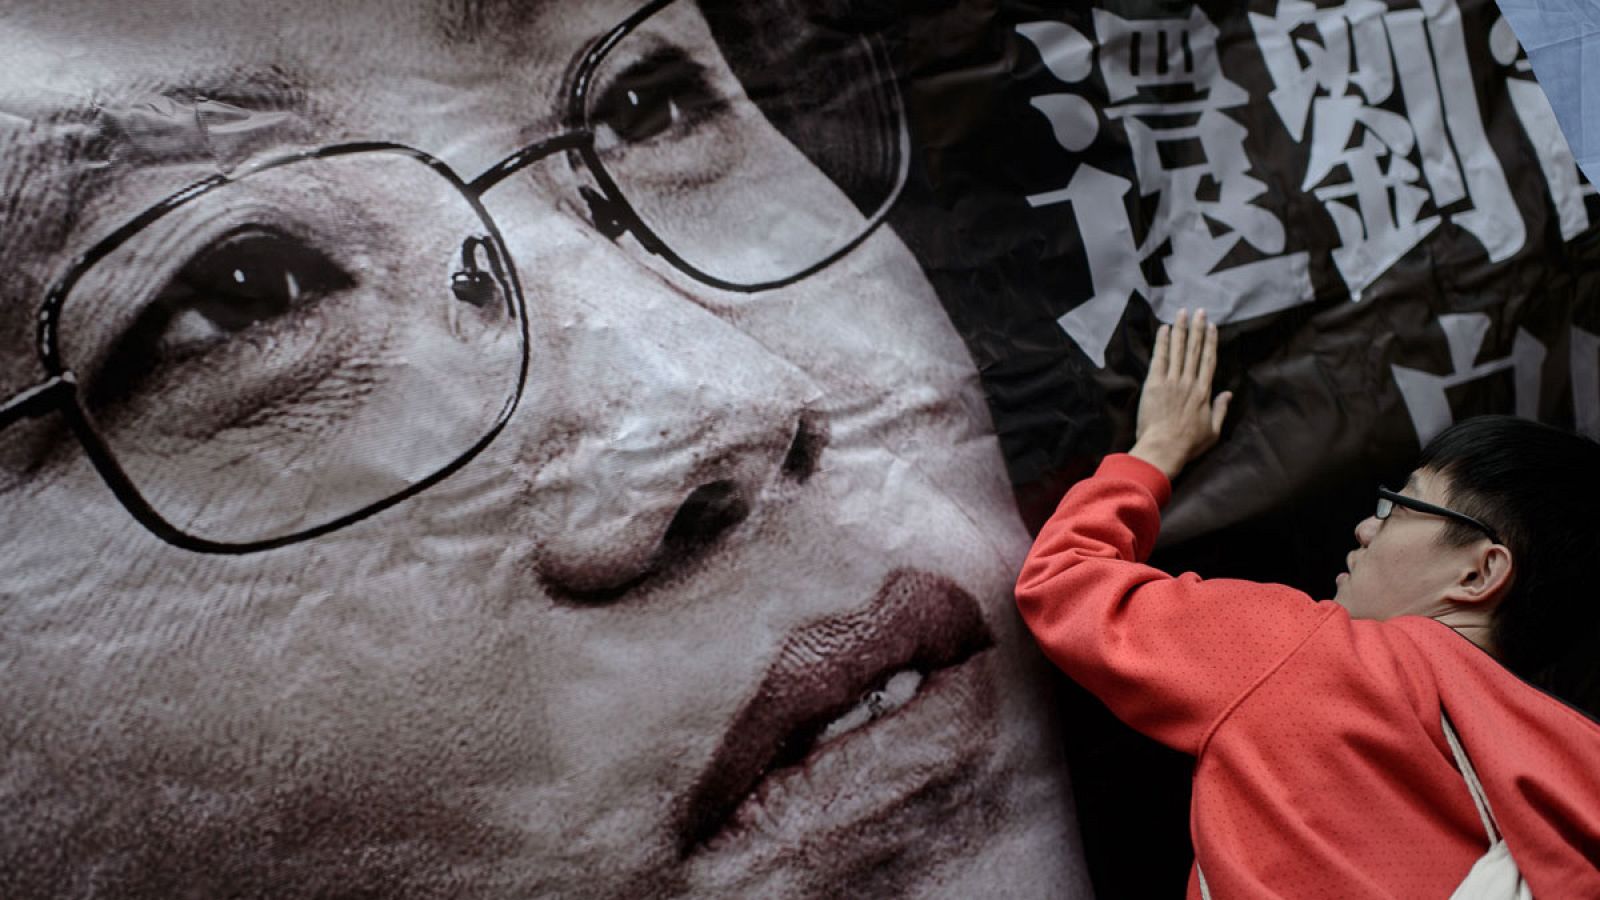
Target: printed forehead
{"points": [[106, 106], [361, 63], [101, 41], [125, 86], [460, 20]]}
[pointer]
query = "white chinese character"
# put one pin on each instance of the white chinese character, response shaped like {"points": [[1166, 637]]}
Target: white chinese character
{"points": [[1424, 393], [1070, 57], [1166, 85], [1353, 70]]}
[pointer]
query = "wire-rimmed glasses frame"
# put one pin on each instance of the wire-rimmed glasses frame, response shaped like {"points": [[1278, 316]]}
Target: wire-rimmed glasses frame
{"points": [[615, 215], [1388, 500]]}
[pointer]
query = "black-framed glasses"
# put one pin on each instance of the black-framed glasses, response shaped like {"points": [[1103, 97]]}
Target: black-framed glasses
{"points": [[297, 361], [1388, 500]]}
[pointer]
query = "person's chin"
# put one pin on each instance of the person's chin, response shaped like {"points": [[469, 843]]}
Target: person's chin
{"points": [[1347, 596]]}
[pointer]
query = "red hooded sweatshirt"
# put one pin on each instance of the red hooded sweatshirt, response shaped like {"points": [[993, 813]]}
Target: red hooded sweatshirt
{"points": [[1321, 767]]}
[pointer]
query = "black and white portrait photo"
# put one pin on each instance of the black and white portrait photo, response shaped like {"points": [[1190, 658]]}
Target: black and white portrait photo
{"points": [[473, 450]]}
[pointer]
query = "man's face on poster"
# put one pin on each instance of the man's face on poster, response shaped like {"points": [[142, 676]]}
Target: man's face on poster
{"points": [[643, 583]]}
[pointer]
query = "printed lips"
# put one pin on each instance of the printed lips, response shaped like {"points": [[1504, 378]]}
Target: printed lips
{"points": [[830, 676]]}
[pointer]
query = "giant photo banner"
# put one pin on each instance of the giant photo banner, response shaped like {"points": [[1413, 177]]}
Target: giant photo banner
{"points": [[475, 448]]}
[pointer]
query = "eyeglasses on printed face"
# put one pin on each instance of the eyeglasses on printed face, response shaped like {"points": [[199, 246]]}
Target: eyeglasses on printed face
{"points": [[1388, 500], [355, 329]]}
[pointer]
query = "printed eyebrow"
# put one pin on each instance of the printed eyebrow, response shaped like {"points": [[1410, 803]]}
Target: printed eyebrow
{"points": [[468, 22], [58, 154], [212, 116]]}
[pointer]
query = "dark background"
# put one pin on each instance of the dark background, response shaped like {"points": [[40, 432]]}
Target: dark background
{"points": [[1308, 447]]}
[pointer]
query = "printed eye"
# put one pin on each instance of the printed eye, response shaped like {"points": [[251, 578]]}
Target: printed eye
{"points": [[246, 280], [659, 94]]}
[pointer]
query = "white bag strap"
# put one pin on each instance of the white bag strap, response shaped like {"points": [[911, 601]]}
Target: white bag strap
{"points": [[1495, 875], [1471, 775]]}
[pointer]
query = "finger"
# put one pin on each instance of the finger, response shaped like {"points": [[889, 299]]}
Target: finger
{"points": [[1208, 359], [1193, 345], [1180, 337], [1158, 356], [1219, 411]]}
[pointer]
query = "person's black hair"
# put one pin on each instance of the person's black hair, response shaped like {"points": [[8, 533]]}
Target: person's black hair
{"points": [[1537, 486]]}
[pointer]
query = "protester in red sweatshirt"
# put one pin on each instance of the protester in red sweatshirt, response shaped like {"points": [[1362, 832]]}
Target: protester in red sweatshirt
{"points": [[1322, 767]]}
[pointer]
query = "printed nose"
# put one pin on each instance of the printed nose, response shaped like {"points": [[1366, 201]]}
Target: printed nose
{"points": [[657, 531], [655, 431]]}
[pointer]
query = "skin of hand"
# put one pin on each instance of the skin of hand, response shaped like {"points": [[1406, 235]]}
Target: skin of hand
{"points": [[1178, 420]]}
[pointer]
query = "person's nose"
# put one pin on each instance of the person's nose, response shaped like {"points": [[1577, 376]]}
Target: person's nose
{"points": [[1366, 530], [653, 431]]}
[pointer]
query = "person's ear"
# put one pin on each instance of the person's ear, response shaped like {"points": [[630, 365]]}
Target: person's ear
{"points": [[1487, 577]]}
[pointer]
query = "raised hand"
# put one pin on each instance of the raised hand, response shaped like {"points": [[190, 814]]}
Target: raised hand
{"points": [[1178, 420]]}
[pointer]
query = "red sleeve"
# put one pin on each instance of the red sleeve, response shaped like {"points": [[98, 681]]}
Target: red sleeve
{"points": [[1168, 655]]}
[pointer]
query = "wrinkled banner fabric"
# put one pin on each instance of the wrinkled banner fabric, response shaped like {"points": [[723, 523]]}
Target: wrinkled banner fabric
{"points": [[476, 449], [1376, 200]]}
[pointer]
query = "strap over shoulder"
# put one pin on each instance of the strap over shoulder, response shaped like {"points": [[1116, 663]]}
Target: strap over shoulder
{"points": [[1495, 875]]}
